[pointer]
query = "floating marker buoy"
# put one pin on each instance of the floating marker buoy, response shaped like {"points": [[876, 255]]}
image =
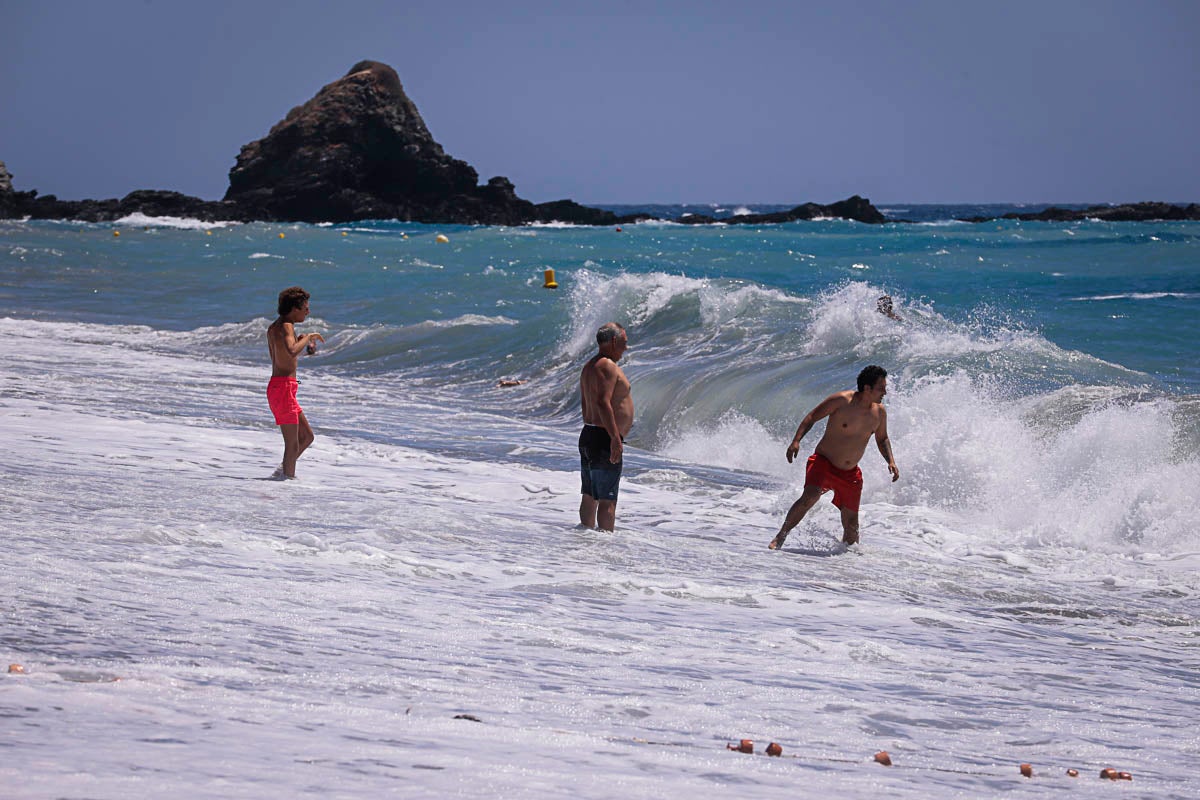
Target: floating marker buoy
{"points": [[344, 233], [1124, 776], [1072, 773], [281, 236], [116, 233], [1027, 770], [16, 669], [550, 282], [404, 236], [618, 229], [1109, 773], [773, 749], [443, 238], [744, 746], [883, 758], [208, 233]]}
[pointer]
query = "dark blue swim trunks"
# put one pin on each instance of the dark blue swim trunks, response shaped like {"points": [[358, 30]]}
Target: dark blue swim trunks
{"points": [[600, 477]]}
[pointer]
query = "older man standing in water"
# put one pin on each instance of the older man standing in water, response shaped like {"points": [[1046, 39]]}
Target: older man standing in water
{"points": [[607, 417], [854, 417]]}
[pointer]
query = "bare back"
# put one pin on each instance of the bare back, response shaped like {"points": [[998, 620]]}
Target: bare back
{"points": [[605, 394], [852, 423]]}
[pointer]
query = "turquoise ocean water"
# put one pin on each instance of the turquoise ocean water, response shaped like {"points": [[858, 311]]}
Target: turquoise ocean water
{"points": [[1044, 396]]}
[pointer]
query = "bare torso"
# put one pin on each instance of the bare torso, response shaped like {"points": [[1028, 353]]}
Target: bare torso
{"points": [[603, 380], [280, 336], [849, 430]]}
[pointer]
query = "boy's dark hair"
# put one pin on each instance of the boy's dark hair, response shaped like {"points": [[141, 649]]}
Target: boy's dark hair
{"points": [[291, 297], [870, 376]]}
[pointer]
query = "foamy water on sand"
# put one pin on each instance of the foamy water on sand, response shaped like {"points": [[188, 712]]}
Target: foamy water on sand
{"points": [[419, 616], [191, 630]]}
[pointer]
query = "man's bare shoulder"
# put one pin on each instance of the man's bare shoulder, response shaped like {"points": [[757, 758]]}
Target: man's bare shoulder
{"points": [[603, 365], [838, 400]]}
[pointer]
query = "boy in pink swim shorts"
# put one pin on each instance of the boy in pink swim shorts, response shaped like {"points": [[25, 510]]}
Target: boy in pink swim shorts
{"points": [[285, 348], [281, 396]]}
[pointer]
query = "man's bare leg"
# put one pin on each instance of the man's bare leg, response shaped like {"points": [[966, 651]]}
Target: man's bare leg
{"points": [[849, 526], [587, 511], [796, 513], [606, 515]]}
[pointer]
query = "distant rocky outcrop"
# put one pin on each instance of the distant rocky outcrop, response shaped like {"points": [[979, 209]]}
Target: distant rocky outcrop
{"points": [[360, 150], [1129, 212], [855, 208]]}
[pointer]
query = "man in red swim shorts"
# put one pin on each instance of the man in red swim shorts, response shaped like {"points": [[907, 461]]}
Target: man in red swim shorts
{"points": [[285, 348], [854, 417]]}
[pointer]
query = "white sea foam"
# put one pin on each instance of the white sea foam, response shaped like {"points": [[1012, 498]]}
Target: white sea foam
{"points": [[637, 298], [183, 223], [469, 320], [1136, 296], [189, 629]]}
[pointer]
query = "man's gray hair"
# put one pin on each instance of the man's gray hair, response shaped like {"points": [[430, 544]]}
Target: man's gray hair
{"points": [[608, 331]]}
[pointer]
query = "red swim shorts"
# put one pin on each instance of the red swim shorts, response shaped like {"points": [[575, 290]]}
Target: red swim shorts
{"points": [[281, 395], [845, 483]]}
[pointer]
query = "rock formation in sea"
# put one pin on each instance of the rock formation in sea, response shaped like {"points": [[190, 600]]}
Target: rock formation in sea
{"points": [[1128, 212], [359, 149]]}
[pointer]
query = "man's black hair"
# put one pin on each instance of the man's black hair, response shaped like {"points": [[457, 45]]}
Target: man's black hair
{"points": [[870, 376]]}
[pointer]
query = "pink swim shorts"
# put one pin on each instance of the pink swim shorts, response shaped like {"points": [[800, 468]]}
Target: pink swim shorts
{"points": [[281, 395]]}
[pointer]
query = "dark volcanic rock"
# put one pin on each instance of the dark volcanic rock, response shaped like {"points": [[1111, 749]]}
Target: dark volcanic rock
{"points": [[572, 212], [357, 150], [856, 208], [1129, 212]]}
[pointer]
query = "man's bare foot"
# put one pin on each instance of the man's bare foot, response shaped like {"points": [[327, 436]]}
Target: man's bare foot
{"points": [[777, 542]]}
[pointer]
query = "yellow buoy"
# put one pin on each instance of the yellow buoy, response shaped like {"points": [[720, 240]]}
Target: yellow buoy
{"points": [[208, 233], [281, 236], [441, 237], [344, 233], [116, 233], [550, 282]]}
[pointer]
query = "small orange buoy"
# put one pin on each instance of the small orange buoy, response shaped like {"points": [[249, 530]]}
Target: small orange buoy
{"points": [[1124, 776], [116, 233], [1027, 770], [618, 229], [281, 236], [1109, 773], [744, 746], [773, 749], [16, 669], [443, 238], [883, 758], [550, 282], [1073, 773]]}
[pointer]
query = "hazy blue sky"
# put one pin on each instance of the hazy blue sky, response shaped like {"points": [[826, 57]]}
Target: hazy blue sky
{"points": [[641, 101]]}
